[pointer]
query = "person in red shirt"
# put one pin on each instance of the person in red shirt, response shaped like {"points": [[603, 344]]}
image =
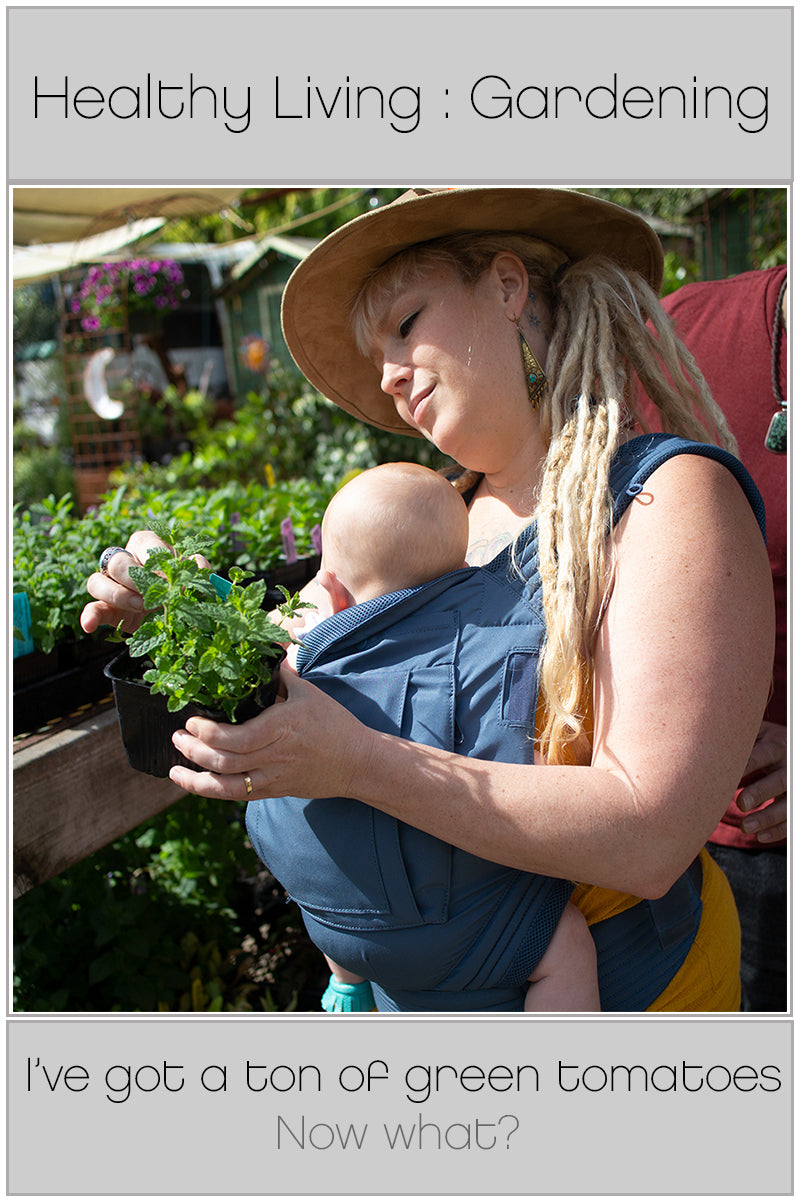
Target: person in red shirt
{"points": [[736, 330]]}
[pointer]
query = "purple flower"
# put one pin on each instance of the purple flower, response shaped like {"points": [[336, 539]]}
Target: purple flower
{"points": [[144, 282], [89, 324]]}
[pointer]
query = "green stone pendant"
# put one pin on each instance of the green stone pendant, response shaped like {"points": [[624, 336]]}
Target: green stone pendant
{"points": [[775, 441]]}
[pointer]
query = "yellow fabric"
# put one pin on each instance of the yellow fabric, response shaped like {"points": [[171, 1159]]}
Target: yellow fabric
{"points": [[708, 981], [598, 904]]}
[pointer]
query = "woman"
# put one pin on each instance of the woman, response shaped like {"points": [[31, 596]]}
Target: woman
{"points": [[518, 355]]}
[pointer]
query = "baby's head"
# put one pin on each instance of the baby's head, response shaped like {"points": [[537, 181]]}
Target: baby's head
{"points": [[393, 527]]}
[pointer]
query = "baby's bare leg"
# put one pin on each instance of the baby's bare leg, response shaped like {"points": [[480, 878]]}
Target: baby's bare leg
{"points": [[340, 974], [565, 979]]}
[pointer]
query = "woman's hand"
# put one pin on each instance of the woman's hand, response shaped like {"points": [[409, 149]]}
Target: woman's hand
{"points": [[116, 597], [305, 745], [765, 780]]}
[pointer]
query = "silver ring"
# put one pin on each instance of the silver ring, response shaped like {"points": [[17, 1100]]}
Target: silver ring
{"points": [[248, 783], [108, 554]]}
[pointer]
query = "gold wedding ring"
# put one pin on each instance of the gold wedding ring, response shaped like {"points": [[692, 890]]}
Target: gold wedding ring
{"points": [[248, 783]]}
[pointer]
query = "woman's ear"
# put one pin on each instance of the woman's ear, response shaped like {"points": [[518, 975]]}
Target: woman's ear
{"points": [[512, 278]]}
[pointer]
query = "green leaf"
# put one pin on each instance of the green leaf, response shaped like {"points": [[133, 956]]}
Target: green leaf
{"points": [[161, 529], [144, 641]]}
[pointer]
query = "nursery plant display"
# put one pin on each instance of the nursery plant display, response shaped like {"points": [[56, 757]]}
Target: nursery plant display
{"points": [[57, 667], [55, 551]]}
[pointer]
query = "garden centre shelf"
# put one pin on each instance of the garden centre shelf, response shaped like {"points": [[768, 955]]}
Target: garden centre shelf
{"points": [[74, 792]]}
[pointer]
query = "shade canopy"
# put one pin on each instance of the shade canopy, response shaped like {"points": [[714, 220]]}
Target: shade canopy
{"points": [[31, 263], [65, 214]]}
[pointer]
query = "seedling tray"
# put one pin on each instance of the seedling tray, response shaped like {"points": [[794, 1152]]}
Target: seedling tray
{"points": [[49, 686]]}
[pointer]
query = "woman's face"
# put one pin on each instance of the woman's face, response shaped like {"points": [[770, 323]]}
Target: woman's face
{"points": [[449, 358]]}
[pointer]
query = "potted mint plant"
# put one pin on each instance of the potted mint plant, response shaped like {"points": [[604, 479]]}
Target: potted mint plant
{"points": [[206, 647]]}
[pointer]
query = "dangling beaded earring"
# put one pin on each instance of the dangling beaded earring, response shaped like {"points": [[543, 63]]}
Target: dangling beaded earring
{"points": [[535, 377]]}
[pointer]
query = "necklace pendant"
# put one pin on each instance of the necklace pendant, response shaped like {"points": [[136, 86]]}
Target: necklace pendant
{"points": [[775, 441]]}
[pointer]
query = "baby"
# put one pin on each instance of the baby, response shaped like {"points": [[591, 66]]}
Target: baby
{"points": [[392, 528]]}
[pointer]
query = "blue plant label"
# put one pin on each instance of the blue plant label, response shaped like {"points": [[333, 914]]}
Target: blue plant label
{"points": [[221, 586], [287, 536], [22, 625]]}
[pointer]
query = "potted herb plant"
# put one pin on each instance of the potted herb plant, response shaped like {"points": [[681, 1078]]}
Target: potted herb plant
{"points": [[206, 647]]}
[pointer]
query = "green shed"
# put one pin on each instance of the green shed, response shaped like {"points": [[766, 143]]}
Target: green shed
{"points": [[739, 229], [252, 300]]}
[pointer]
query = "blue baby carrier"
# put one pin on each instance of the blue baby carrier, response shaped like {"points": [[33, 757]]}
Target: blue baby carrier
{"points": [[453, 664]]}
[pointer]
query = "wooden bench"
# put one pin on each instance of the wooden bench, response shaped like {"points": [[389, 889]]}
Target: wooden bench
{"points": [[74, 792]]}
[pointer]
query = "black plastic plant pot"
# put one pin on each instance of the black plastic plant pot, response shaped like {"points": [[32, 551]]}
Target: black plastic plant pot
{"points": [[147, 725]]}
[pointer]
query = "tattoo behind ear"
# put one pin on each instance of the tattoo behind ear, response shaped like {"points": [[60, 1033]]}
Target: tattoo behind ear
{"points": [[531, 313]]}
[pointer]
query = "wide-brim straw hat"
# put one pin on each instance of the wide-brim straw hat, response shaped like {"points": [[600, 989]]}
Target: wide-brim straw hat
{"points": [[318, 299]]}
